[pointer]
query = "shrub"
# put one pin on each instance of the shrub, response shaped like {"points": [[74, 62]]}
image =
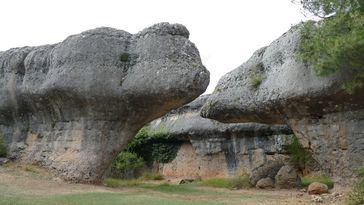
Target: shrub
{"points": [[154, 146], [124, 57], [256, 79], [337, 42], [127, 165], [3, 149], [299, 156], [356, 197], [230, 183], [118, 183], [307, 180]]}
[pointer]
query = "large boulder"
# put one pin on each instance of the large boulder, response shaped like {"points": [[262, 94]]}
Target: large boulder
{"points": [[74, 105], [213, 149], [265, 183], [269, 169], [274, 87], [287, 178]]}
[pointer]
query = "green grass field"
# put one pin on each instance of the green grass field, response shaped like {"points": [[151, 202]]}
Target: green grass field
{"points": [[20, 186], [100, 199]]}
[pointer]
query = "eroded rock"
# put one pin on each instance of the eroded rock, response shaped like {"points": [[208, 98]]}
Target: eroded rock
{"points": [[287, 178], [73, 106], [213, 149], [274, 87]]}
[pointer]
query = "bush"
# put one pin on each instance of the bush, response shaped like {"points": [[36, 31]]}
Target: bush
{"points": [[256, 79], [230, 183], [154, 146], [356, 197], [164, 152], [307, 180], [299, 156], [3, 149], [337, 42], [127, 165]]}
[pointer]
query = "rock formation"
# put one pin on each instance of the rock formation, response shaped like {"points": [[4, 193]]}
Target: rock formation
{"points": [[214, 149], [274, 87], [73, 106]]}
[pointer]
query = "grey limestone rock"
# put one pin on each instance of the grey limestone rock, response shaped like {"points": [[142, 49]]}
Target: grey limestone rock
{"points": [[287, 178], [73, 106], [233, 146], [273, 86]]}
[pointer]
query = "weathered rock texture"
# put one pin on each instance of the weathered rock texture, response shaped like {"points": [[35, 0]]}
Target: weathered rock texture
{"points": [[287, 178], [214, 149], [327, 119], [74, 105], [317, 188]]}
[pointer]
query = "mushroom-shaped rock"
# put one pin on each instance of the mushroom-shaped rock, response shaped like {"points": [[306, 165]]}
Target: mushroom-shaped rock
{"points": [[214, 149], [274, 86], [73, 106]]}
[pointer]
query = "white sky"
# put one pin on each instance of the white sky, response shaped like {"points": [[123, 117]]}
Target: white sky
{"points": [[225, 32]]}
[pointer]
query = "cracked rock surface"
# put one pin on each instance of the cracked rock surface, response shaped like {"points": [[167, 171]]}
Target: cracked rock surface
{"points": [[73, 106], [274, 87]]}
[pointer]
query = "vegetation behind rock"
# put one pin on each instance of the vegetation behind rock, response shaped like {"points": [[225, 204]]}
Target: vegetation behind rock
{"points": [[337, 42], [3, 149], [356, 197]]}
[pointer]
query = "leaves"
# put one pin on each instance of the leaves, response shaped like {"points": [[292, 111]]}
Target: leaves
{"points": [[336, 44]]}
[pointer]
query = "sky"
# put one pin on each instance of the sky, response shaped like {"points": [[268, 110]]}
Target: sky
{"points": [[226, 32]]}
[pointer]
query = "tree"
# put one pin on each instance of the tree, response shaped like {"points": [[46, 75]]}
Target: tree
{"points": [[325, 8], [337, 42]]}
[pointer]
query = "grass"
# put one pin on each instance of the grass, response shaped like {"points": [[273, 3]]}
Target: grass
{"points": [[307, 180], [138, 183], [356, 197], [241, 182], [119, 183], [152, 176], [256, 79], [30, 168], [172, 188], [102, 199]]}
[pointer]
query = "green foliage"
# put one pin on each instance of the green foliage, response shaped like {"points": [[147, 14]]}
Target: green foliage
{"points": [[324, 8], [154, 146], [256, 76], [127, 165], [151, 176], [256, 79], [356, 197], [164, 152], [307, 180], [299, 156], [171, 188], [230, 183], [3, 148], [124, 57], [336, 43]]}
